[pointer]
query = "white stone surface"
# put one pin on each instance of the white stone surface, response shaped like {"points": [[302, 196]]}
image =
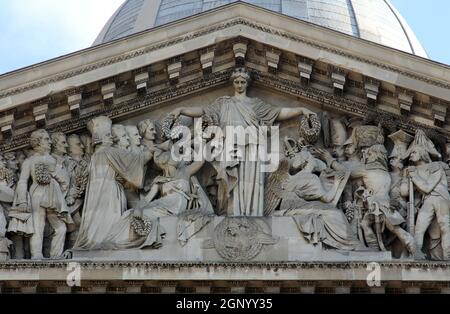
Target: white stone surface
{"points": [[292, 247]]}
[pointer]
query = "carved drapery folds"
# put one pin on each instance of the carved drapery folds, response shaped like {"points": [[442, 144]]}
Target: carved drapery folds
{"points": [[345, 184]]}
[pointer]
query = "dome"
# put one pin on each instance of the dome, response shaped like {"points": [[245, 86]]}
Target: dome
{"points": [[373, 20]]}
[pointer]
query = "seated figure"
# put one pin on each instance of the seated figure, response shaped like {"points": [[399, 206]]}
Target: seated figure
{"points": [[176, 193], [306, 197]]}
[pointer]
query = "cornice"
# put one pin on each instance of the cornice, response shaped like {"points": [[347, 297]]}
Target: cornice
{"points": [[347, 106], [209, 30], [136, 105], [166, 95]]}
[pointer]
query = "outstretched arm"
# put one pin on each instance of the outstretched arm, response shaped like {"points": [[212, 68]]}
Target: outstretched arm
{"points": [[325, 156], [331, 194], [290, 113], [194, 112], [194, 168]]}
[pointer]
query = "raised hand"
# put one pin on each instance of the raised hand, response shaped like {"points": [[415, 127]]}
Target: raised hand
{"points": [[177, 112], [308, 113], [321, 153]]}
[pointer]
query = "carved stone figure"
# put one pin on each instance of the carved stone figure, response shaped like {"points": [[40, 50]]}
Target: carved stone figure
{"points": [[6, 199], [59, 147], [9, 176], [429, 179], [120, 137], [105, 200], [43, 201], [59, 152], [241, 183], [375, 193], [377, 183], [313, 207], [86, 139], [78, 168], [147, 130], [171, 195], [399, 203], [401, 141], [134, 138], [353, 160], [338, 138]]}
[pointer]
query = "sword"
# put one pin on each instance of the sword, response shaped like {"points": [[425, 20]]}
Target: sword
{"points": [[411, 209]]}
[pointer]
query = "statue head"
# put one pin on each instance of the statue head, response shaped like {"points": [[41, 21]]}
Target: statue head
{"points": [[20, 156], [302, 159], [241, 80], [418, 153], [120, 136], [147, 129], [87, 143], [350, 147], [11, 161], [59, 143], [133, 135], [396, 163], [376, 154], [40, 141], [421, 149], [100, 128], [76, 147]]}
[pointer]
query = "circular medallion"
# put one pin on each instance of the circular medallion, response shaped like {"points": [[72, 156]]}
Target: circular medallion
{"points": [[237, 239]]}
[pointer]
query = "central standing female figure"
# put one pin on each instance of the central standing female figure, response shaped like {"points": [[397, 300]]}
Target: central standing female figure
{"points": [[241, 183]]}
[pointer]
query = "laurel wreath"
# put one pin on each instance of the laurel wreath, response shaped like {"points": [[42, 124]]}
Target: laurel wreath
{"points": [[142, 226], [42, 172], [81, 176], [6, 174], [310, 128], [208, 120], [168, 124]]}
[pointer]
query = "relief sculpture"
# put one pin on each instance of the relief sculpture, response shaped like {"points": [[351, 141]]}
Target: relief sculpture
{"points": [[199, 175]]}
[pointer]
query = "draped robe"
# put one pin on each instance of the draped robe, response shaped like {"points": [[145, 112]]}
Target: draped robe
{"points": [[241, 183], [105, 200]]}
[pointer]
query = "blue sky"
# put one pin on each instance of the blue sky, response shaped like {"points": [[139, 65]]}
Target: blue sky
{"points": [[430, 21], [32, 31]]}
